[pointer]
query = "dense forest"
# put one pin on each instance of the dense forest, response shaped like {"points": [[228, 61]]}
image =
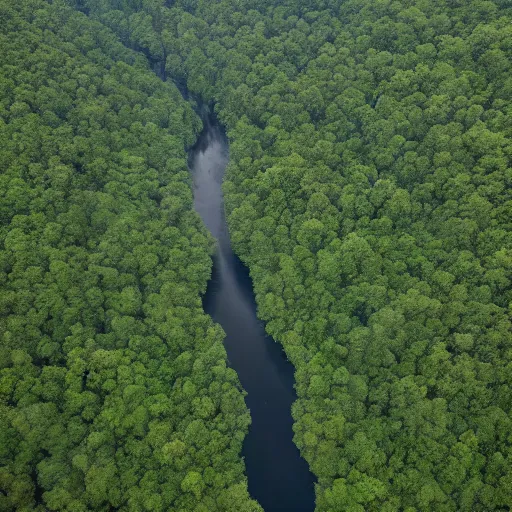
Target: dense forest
{"points": [[369, 192], [114, 388]]}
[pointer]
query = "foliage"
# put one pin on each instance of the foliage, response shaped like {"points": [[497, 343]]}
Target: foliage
{"points": [[370, 150], [369, 192], [114, 389]]}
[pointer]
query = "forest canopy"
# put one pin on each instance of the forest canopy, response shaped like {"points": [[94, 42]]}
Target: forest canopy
{"points": [[114, 388], [369, 193], [370, 151]]}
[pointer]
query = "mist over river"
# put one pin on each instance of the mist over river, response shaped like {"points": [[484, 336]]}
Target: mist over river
{"points": [[278, 477]]}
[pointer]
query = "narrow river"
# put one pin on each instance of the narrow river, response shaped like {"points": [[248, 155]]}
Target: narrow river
{"points": [[278, 477]]}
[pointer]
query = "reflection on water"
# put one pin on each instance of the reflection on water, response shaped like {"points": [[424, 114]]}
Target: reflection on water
{"points": [[278, 477]]}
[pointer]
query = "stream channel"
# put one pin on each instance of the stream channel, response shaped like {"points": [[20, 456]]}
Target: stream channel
{"points": [[278, 477]]}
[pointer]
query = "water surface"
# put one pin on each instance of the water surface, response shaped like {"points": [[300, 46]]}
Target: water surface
{"points": [[278, 477]]}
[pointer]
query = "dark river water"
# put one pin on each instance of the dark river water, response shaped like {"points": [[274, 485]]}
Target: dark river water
{"points": [[278, 477]]}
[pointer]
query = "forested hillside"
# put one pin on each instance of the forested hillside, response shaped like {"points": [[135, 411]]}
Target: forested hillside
{"points": [[114, 390], [369, 192]]}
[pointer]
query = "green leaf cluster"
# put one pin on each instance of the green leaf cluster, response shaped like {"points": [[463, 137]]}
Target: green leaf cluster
{"points": [[114, 388]]}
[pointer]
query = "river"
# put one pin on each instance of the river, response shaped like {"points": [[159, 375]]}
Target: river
{"points": [[278, 477]]}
